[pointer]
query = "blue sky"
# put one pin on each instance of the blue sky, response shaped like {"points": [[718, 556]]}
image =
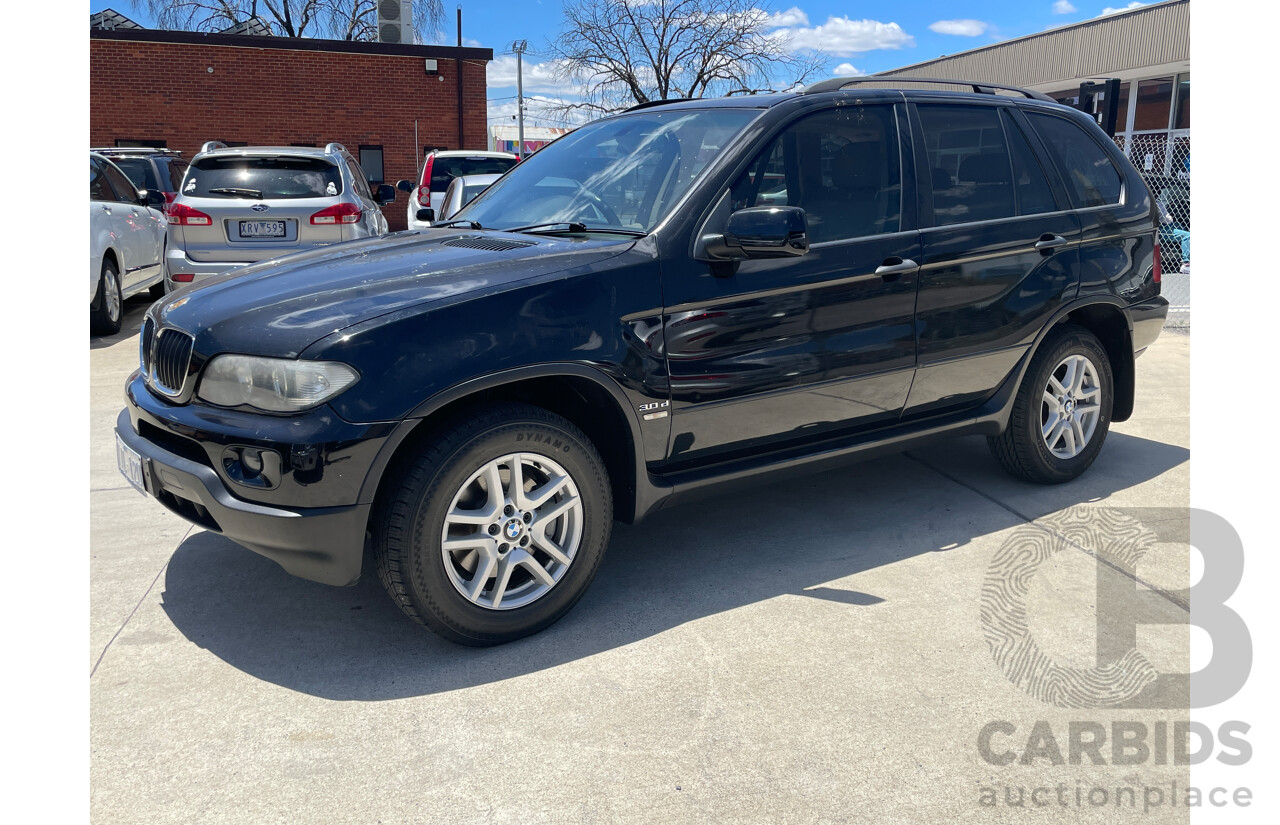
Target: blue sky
{"points": [[851, 39]]}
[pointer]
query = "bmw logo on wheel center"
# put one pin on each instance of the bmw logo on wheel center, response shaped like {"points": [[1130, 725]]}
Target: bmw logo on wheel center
{"points": [[513, 528]]}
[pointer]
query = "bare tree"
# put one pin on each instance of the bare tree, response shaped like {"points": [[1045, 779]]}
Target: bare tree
{"points": [[625, 52], [336, 19]]}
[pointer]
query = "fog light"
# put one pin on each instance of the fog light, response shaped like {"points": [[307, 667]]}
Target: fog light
{"points": [[251, 460]]}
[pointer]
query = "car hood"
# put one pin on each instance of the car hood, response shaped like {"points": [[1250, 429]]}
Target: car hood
{"points": [[279, 307]]}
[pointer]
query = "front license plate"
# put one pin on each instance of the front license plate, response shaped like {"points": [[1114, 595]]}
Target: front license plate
{"points": [[130, 464], [262, 229]]}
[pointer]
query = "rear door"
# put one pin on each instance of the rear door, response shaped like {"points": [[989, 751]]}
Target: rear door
{"points": [[260, 206], [782, 351], [999, 252]]}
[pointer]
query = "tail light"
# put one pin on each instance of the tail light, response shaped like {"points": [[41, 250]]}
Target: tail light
{"points": [[183, 215], [339, 213], [1155, 264], [169, 196], [424, 188]]}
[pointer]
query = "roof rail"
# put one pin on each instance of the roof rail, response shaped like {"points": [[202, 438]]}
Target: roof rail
{"points": [[649, 104], [334, 148], [132, 150], [209, 146], [837, 83]]}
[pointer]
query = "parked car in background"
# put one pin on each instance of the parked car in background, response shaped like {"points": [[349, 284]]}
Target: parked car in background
{"points": [[439, 171], [160, 170], [462, 191], [253, 203], [126, 243], [666, 300]]}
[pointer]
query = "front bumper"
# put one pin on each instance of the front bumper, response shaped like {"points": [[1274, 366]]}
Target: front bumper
{"points": [[312, 522]]}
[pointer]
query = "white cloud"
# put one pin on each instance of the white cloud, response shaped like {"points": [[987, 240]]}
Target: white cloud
{"points": [[843, 37], [791, 17], [1063, 7], [847, 70], [538, 77], [1110, 10], [962, 28]]}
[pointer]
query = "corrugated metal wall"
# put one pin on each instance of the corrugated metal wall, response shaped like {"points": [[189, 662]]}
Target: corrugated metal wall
{"points": [[1145, 37]]}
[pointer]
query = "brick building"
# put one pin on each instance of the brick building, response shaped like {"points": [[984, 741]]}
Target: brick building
{"points": [[179, 89]]}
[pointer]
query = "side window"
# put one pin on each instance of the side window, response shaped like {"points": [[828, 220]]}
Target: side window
{"points": [[125, 191], [972, 177], [359, 181], [1029, 182], [1092, 179], [840, 165], [98, 188]]}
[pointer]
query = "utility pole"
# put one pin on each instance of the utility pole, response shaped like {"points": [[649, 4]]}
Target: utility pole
{"points": [[519, 47]]}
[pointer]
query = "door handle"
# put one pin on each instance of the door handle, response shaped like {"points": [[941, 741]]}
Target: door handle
{"points": [[894, 268], [106, 209], [1049, 241]]}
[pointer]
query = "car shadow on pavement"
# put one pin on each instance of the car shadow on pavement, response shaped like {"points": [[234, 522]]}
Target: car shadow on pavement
{"points": [[679, 566], [135, 309]]}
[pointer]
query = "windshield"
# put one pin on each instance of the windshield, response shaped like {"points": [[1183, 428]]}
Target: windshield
{"points": [[261, 178], [623, 173]]}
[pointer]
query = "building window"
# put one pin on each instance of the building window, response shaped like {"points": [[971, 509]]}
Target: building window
{"points": [[312, 145], [148, 144], [1182, 114], [230, 143], [371, 163], [1154, 99]]}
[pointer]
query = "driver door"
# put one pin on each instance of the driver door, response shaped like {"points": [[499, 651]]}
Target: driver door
{"points": [[782, 351]]}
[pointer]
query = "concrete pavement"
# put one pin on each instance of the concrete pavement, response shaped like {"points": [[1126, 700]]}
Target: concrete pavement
{"points": [[809, 652]]}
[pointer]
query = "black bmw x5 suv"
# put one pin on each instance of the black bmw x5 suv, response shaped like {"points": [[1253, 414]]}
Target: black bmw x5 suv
{"points": [[679, 296]]}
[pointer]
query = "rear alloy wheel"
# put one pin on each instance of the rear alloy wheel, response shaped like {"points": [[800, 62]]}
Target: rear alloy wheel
{"points": [[107, 309], [1063, 410], [496, 528]]}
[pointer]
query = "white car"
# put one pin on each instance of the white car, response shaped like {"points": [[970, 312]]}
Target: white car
{"points": [[126, 243], [461, 192], [439, 171]]}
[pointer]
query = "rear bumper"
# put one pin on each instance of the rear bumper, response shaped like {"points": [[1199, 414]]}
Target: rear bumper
{"points": [[179, 264], [1147, 319], [322, 544]]}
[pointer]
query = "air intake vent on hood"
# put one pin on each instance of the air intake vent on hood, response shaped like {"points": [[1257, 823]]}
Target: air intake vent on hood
{"points": [[490, 244]]}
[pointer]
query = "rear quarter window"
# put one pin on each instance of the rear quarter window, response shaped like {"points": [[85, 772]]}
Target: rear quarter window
{"points": [[1092, 179], [262, 178], [139, 171]]}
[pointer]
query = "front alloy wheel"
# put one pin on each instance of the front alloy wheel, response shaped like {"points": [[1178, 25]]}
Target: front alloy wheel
{"points": [[494, 529], [512, 531]]}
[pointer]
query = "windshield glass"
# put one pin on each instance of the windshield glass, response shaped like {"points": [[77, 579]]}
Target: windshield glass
{"points": [[261, 178], [623, 173]]}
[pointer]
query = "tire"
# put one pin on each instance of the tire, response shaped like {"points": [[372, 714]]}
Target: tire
{"points": [[443, 493], [1032, 450], [106, 312]]}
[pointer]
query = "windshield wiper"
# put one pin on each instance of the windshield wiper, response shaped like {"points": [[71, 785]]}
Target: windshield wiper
{"points": [[236, 190], [466, 223], [574, 226]]}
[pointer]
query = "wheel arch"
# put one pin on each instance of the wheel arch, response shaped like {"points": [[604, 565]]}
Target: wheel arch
{"points": [[1108, 321], [584, 395]]}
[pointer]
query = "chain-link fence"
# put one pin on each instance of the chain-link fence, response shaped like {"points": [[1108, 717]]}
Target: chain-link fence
{"points": [[1164, 161]]}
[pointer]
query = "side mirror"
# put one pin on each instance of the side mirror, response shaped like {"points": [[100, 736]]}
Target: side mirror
{"points": [[426, 215], [386, 194], [153, 198], [404, 185], [762, 232]]}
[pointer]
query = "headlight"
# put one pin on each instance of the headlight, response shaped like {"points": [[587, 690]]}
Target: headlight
{"points": [[273, 384]]}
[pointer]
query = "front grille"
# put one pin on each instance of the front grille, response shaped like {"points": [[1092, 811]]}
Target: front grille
{"points": [[144, 346], [171, 357], [487, 244]]}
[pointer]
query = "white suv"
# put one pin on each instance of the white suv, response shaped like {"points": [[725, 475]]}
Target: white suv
{"points": [[126, 243], [439, 171], [251, 203]]}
